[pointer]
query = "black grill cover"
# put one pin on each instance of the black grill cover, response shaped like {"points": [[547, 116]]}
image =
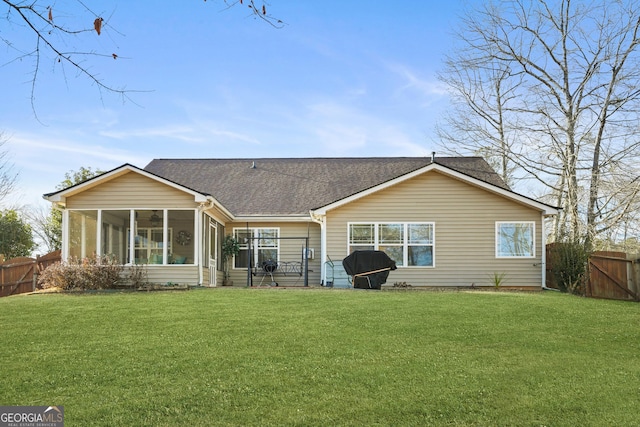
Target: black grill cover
{"points": [[359, 262]]}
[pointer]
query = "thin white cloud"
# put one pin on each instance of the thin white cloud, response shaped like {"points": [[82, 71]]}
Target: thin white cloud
{"points": [[176, 132], [65, 147], [42, 161], [233, 135], [412, 81], [346, 130], [185, 133]]}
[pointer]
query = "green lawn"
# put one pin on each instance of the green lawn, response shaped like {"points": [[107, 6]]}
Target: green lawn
{"points": [[323, 357]]}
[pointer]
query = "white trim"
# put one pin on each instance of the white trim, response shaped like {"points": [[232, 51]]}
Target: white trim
{"points": [[545, 209], [322, 221], [213, 269], [99, 232], [65, 234], [133, 231], [198, 219], [293, 218], [543, 255], [165, 238]]}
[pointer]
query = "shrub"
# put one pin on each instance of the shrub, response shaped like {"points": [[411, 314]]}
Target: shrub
{"points": [[401, 285], [96, 272], [568, 261], [137, 276]]}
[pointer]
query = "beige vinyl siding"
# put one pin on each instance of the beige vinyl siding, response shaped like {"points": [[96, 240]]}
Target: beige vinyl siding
{"points": [[290, 250], [465, 225], [182, 275], [205, 277], [131, 190]]}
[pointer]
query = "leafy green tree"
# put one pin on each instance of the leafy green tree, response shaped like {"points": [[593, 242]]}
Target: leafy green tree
{"points": [[15, 235], [72, 178]]}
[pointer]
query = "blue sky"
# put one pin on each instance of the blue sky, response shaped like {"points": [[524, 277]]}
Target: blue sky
{"points": [[339, 79]]}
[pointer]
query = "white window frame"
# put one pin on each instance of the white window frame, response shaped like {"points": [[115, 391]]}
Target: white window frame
{"points": [[405, 237], [152, 247], [504, 255], [255, 233]]}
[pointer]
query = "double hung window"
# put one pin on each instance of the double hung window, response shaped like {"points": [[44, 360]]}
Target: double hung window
{"points": [[408, 244], [261, 244]]}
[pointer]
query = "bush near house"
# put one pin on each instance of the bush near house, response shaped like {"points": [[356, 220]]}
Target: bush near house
{"points": [[90, 273], [568, 261]]}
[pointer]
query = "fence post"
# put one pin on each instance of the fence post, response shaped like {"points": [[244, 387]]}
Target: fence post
{"points": [[35, 274], [635, 273]]}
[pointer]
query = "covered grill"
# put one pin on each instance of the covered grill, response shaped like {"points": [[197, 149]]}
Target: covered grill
{"points": [[368, 269]]}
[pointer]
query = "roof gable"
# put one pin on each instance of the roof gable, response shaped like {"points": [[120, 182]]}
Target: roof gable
{"points": [[61, 195], [439, 168]]}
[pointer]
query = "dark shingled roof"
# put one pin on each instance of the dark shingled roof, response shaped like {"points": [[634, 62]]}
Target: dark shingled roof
{"points": [[296, 185]]}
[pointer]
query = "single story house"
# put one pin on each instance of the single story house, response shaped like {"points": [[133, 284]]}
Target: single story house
{"points": [[445, 221]]}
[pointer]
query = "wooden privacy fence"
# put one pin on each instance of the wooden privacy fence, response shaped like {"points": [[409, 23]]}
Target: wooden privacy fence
{"points": [[611, 275], [20, 275]]}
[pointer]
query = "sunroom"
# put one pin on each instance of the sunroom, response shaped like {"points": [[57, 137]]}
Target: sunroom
{"points": [[133, 236], [142, 219]]}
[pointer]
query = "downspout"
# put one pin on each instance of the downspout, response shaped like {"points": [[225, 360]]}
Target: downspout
{"points": [[544, 256], [322, 220]]}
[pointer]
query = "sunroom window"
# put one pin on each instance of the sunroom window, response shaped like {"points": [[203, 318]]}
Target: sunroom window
{"points": [[160, 236], [115, 225], [515, 239], [82, 233]]}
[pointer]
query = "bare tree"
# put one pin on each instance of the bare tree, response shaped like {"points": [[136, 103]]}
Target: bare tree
{"points": [[63, 40], [45, 226], [486, 88], [257, 10], [572, 72], [67, 40], [8, 178]]}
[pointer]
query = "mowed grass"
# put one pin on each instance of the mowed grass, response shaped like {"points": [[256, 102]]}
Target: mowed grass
{"points": [[323, 357]]}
